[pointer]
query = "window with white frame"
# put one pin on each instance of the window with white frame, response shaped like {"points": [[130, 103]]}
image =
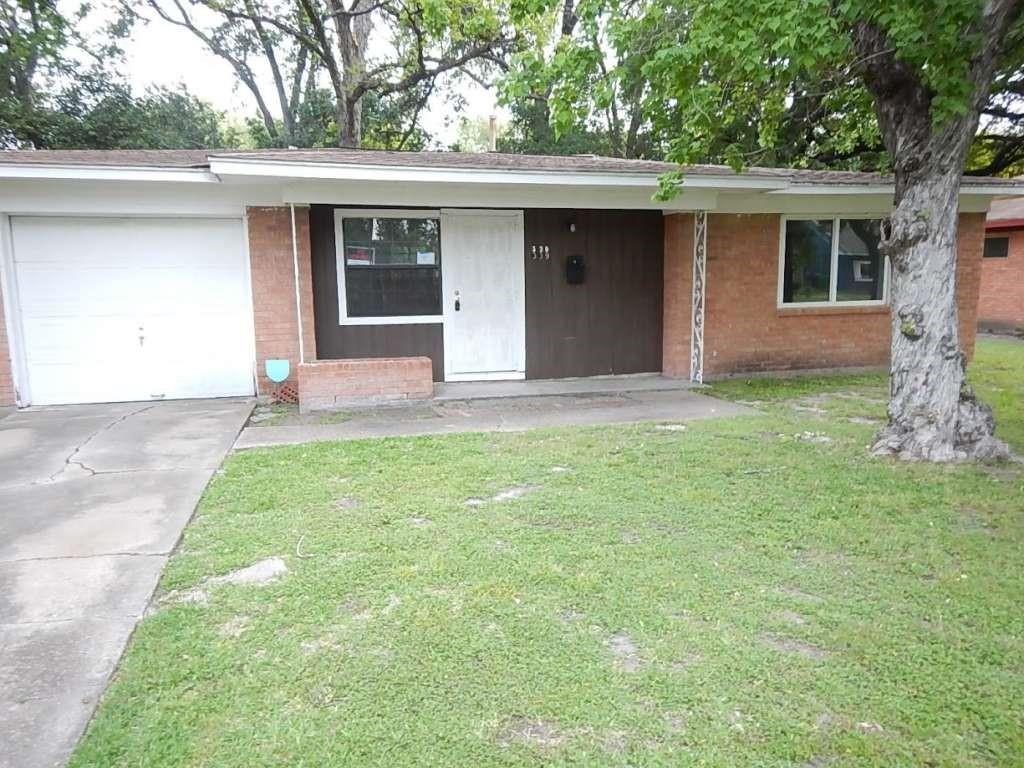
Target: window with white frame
{"points": [[826, 261], [389, 265]]}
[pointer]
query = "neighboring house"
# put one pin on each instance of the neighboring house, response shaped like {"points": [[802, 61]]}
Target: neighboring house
{"points": [[131, 275], [1001, 300]]}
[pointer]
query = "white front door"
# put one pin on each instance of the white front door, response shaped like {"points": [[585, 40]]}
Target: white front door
{"points": [[484, 295], [116, 309]]}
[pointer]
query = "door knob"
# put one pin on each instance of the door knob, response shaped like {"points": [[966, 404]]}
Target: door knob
{"points": [[458, 301]]}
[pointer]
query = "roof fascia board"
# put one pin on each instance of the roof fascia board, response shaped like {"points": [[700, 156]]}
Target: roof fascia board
{"points": [[1001, 224], [363, 172], [977, 190], [105, 173]]}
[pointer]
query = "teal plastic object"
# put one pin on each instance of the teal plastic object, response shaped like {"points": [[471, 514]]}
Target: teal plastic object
{"points": [[277, 370]]}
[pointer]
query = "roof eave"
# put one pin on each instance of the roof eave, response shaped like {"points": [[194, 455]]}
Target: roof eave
{"points": [[105, 173], [1000, 224], [285, 169]]}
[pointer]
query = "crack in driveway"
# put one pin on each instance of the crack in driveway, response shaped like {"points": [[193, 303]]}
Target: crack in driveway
{"points": [[70, 460]]}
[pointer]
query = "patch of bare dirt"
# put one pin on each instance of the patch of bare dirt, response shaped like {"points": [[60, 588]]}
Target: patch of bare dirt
{"points": [[532, 732], [324, 643], [420, 522], [973, 520], [809, 409], [675, 721], [515, 492], [791, 617], [625, 651], [735, 720], [870, 727], [234, 628], [258, 574], [571, 615], [688, 661], [863, 420], [790, 645], [614, 742], [1007, 473], [346, 502], [813, 437]]}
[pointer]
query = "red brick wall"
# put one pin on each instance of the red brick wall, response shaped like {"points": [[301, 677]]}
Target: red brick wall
{"points": [[970, 245], [6, 378], [1001, 305], [332, 383], [273, 287], [677, 303], [746, 331]]}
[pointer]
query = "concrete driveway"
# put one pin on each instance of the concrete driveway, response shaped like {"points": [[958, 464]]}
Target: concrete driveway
{"points": [[92, 501]]}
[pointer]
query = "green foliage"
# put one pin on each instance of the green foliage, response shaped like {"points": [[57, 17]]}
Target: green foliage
{"points": [[774, 83], [95, 114], [530, 132], [59, 90]]}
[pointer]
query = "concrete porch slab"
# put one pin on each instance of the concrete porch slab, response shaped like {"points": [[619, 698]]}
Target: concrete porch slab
{"points": [[485, 390], [513, 414]]}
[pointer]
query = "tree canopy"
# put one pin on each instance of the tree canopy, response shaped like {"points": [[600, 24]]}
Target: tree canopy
{"points": [[771, 83]]}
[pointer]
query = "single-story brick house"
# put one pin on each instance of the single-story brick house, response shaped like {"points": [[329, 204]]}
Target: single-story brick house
{"points": [[130, 275], [1001, 298]]}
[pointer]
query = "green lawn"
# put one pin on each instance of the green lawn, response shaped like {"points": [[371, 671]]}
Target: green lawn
{"points": [[746, 592]]}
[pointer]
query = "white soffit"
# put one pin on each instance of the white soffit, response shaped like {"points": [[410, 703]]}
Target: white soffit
{"points": [[433, 195]]}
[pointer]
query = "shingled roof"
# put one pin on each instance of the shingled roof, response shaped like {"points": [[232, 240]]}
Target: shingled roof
{"points": [[483, 161]]}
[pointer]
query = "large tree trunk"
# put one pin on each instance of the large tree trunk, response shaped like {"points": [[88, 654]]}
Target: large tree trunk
{"points": [[353, 36], [933, 416], [350, 122]]}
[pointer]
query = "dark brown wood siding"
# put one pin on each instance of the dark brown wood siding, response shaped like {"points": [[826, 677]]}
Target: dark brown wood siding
{"points": [[339, 342], [612, 323]]}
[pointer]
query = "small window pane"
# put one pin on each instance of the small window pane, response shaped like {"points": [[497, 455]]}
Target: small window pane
{"points": [[808, 261], [861, 266], [997, 247], [392, 266]]}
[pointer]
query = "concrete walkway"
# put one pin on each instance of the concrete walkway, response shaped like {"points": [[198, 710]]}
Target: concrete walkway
{"points": [[92, 501], [511, 414]]}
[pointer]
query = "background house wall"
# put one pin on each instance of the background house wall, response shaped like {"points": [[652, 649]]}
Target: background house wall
{"points": [[273, 288], [1001, 304], [746, 331]]}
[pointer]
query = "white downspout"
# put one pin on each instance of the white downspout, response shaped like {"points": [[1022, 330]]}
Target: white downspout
{"points": [[298, 292]]}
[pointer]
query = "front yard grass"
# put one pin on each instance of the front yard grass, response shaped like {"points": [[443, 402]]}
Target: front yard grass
{"points": [[746, 592]]}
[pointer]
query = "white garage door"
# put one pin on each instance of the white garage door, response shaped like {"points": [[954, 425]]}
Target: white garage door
{"points": [[132, 309]]}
